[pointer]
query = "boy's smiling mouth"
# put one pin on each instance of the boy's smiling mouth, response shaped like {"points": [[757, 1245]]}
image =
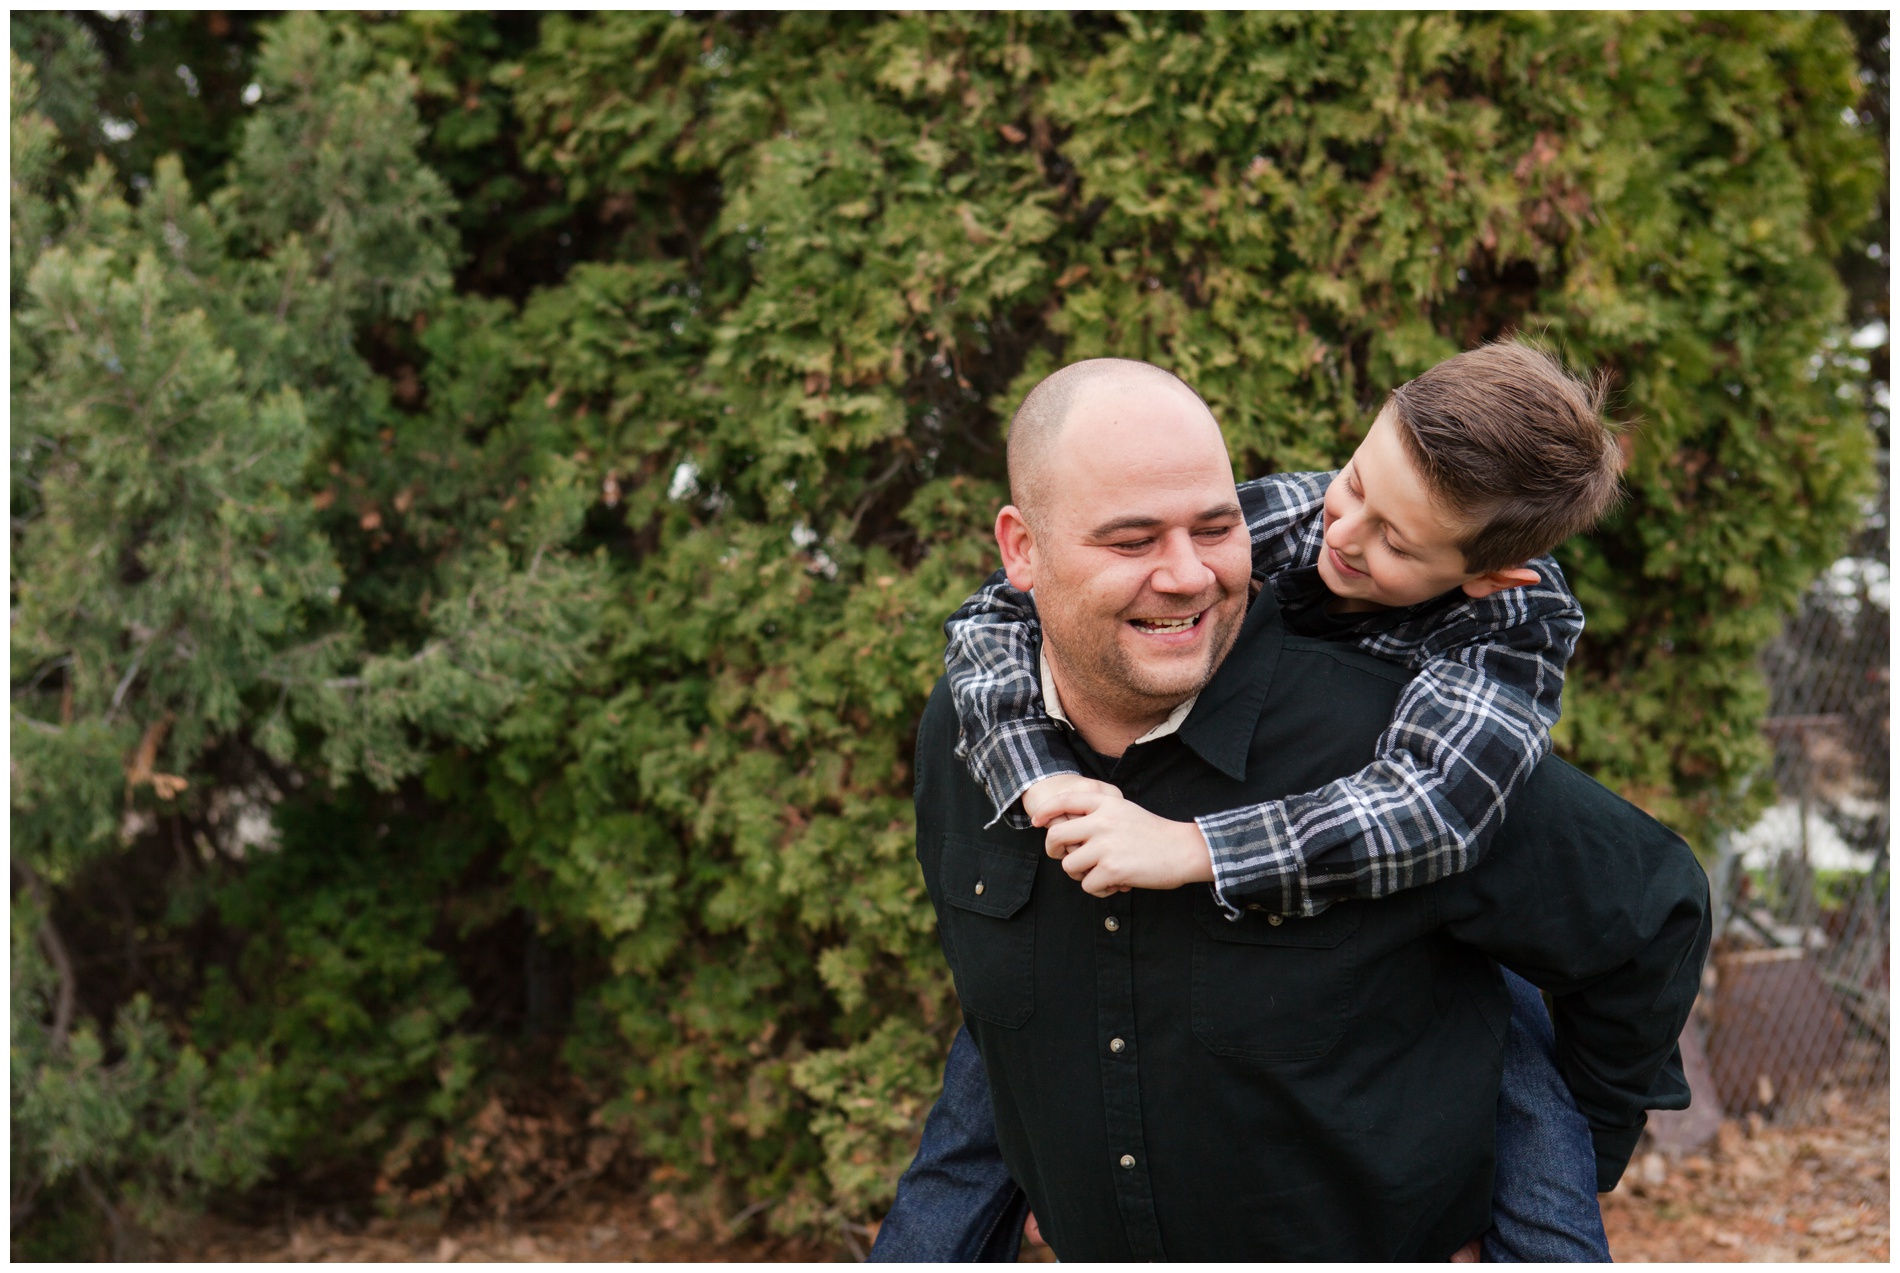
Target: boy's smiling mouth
{"points": [[1168, 627], [1340, 564]]}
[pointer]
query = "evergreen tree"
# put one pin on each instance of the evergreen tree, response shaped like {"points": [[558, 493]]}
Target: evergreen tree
{"points": [[486, 489]]}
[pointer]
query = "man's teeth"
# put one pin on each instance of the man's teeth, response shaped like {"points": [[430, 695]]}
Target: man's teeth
{"points": [[1167, 625]]}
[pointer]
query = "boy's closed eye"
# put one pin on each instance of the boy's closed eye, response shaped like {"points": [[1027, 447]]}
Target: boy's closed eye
{"points": [[1351, 476]]}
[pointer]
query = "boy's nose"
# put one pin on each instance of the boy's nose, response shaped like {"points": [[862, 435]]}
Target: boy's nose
{"points": [[1343, 534]]}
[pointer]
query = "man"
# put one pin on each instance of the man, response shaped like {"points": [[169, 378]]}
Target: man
{"points": [[1168, 1083]]}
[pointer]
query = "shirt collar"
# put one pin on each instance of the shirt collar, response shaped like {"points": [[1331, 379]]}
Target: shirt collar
{"points": [[1218, 723], [1052, 701], [1221, 727], [1303, 597]]}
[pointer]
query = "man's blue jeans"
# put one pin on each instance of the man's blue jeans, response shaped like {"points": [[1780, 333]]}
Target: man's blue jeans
{"points": [[957, 1202]]}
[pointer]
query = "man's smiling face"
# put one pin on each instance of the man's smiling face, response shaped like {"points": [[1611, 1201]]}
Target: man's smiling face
{"points": [[1137, 552]]}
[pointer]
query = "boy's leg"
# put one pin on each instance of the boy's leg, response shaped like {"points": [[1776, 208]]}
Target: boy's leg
{"points": [[956, 1201], [1544, 1203]]}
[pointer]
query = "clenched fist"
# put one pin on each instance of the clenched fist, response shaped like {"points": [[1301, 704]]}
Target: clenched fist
{"points": [[1051, 800], [1111, 844]]}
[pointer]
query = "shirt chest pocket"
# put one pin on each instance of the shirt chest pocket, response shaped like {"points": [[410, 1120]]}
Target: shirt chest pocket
{"points": [[1274, 992], [989, 930]]}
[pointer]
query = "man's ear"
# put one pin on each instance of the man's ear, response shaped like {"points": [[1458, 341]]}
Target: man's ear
{"points": [[1018, 545], [1500, 581]]}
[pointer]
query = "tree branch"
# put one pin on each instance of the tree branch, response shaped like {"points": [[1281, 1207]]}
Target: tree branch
{"points": [[113, 1219], [67, 997]]}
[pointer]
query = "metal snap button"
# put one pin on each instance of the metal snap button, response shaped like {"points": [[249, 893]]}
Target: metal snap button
{"points": [[1112, 924], [1275, 920], [1128, 1160], [1116, 1045], [979, 888]]}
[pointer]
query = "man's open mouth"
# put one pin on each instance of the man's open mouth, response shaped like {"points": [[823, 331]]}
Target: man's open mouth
{"points": [[1168, 627]]}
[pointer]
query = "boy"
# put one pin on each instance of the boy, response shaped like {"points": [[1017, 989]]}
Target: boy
{"points": [[1426, 548]]}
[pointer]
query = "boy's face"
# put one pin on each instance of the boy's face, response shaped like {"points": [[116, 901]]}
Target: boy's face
{"points": [[1389, 541]]}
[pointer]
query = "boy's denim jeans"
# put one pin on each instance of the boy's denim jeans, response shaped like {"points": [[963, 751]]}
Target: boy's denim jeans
{"points": [[957, 1202]]}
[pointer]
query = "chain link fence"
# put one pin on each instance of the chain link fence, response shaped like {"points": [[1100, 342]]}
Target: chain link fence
{"points": [[1794, 1016]]}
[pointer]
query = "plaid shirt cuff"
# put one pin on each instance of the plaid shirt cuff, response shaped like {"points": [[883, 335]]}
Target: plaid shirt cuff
{"points": [[1016, 756], [1256, 860]]}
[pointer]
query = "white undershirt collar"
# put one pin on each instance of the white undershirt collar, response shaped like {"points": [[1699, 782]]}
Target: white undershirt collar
{"points": [[1052, 702]]}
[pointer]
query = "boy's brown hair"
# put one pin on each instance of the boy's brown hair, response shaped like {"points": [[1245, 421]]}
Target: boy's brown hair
{"points": [[1513, 442]]}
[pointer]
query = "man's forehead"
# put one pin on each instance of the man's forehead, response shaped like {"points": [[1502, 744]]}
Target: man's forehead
{"points": [[1137, 423], [1131, 471]]}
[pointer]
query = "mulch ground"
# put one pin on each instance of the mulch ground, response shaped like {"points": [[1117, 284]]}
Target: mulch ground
{"points": [[621, 1229], [1812, 1193]]}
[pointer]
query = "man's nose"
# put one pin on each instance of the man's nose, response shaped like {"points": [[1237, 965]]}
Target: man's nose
{"points": [[1181, 569]]}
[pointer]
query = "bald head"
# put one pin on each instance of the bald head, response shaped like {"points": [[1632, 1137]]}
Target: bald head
{"points": [[1068, 395], [1127, 529]]}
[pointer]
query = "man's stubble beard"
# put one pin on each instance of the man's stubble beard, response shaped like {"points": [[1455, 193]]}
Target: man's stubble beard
{"points": [[1094, 664]]}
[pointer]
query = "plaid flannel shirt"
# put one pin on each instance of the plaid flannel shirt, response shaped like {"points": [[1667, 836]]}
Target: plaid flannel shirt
{"points": [[1467, 730]]}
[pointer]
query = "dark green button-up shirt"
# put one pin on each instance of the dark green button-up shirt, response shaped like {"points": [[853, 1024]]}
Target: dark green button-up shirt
{"points": [[1169, 1084]]}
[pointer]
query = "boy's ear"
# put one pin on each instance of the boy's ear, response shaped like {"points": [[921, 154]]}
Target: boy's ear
{"points": [[1499, 581], [1018, 547]]}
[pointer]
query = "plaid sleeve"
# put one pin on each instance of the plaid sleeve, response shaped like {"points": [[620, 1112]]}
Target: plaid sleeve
{"points": [[1465, 734], [1280, 522], [1004, 734]]}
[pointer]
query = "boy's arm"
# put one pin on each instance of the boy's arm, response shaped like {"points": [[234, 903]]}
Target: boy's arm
{"points": [[1279, 511], [1467, 730], [1004, 734]]}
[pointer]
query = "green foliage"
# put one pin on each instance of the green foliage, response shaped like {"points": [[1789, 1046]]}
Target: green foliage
{"points": [[331, 158], [509, 675], [338, 980], [156, 1121], [67, 75]]}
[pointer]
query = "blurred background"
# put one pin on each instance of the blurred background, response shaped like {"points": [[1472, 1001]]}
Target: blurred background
{"points": [[486, 489]]}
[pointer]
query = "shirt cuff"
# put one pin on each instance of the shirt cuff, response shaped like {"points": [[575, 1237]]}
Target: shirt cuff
{"points": [[1613, 1146], [1015, 757], [1011, 813], [1231, 911], [1256, 863]]}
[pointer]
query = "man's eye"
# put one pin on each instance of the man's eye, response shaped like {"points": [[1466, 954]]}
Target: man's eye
{"points": [[1213, 534], [1132, 545]]}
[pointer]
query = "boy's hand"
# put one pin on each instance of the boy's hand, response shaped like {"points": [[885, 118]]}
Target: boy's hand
{"points": [[1065, 795], [1114, 845]]}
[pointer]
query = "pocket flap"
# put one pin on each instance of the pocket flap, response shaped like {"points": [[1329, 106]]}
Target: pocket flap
{"points": [[1254, 928], [987, 880]]}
